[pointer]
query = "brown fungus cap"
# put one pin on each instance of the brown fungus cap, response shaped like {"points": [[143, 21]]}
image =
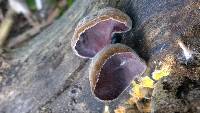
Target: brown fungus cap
{"points": [[112, 71], [95, 31]]}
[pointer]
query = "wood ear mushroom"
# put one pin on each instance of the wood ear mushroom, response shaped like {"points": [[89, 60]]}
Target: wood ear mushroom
{"points": [[95, 31], [112, 71]]}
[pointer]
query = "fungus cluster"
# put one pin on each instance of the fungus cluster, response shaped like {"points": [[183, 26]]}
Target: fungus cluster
{"points": [[113, 69], [113, 66]]}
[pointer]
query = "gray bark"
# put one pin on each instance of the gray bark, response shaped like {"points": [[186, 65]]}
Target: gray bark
{"points": [[45, 76]]}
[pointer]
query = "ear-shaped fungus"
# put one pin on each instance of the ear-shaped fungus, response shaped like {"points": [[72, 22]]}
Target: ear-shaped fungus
{"points": [[95, 31], [113, 69]]}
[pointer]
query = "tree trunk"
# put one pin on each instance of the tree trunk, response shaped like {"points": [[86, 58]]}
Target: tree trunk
{"points": [[44, 75]]}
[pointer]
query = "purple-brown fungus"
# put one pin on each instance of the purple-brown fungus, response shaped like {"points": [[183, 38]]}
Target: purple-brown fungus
{"points": [[95, 31], [113, 69]]}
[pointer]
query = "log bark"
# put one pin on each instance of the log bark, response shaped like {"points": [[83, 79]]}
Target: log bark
{"points": [[44, 75]]}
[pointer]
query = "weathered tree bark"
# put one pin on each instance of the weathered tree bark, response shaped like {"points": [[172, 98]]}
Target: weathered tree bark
{"points": [[45, 76]]}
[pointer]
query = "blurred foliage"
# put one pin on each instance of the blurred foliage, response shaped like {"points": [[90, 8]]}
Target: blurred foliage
{"points": [[31, 15], [69, 2], [52, 2], [31, 4]]}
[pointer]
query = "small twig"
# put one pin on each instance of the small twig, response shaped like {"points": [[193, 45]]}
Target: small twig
{"points": [[6, 26], [31, 21], [13, 42], [55, 13]]}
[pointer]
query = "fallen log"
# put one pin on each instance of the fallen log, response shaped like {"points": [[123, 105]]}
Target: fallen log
{"points": [[44, 75]]}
